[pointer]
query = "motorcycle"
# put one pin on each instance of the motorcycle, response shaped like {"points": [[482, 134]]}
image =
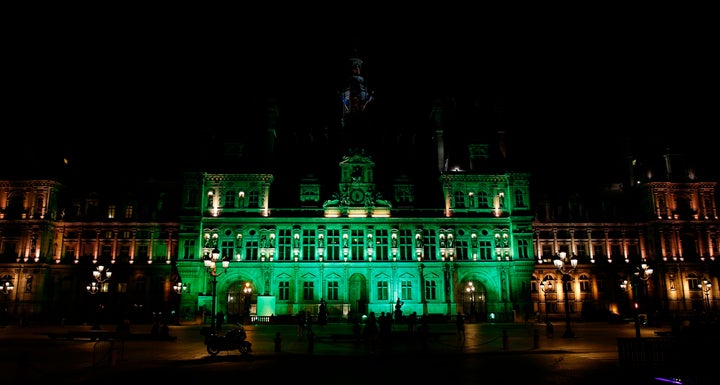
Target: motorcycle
{"points": [[234, 339]]}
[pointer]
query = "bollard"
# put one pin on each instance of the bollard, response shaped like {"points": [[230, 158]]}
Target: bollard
{"points": [[505, 340], [536, 339], [278, 342]]}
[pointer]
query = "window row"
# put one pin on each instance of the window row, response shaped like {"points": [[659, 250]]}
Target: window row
{"points": [[359, 245], [332, 291]]}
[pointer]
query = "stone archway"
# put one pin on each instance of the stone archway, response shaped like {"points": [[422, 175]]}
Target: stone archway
{"points": [[238, 304], [357, 294], [471, 299]]}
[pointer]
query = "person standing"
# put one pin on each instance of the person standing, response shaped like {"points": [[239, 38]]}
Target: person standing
{"points": [[300, 320], [411, 322], [322, 312], [219, 320], [370, 333], [460, 326]]}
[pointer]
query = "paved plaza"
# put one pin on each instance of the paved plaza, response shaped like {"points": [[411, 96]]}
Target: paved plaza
{"points": [[490, 353]]}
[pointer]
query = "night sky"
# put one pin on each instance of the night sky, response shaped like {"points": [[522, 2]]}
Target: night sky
{"points": [[577, 92]]}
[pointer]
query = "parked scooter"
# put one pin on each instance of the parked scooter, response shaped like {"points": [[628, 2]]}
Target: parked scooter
{"points": [[234, 339]]}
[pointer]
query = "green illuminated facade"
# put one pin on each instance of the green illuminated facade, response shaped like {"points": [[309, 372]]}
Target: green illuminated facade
{"points": [[356, 251]]}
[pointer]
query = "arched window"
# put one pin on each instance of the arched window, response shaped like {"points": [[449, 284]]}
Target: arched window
{"points": [[229, 199], [584, 283], [459, 200], [693, 282], [482, 200]]}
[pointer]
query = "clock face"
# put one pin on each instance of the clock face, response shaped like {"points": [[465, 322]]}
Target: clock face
{"points": [[357, 195]]}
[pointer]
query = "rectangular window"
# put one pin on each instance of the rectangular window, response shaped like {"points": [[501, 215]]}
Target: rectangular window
{"points": [[128, 211], [581, 249], [461, 250], [633, 250], [226, 250], [308, 291], [284, 290], [406, 290], [430, 290], [485, 250], [382, 290], [357, 242], [547, 252], [332, 249], [284, 245], [189, 249], [430, 245], [598, 251], [308, 245], [333, 290], [382, 245], [406, 250], [143, 252], [251, 250], [111, 212], [523, 249]]}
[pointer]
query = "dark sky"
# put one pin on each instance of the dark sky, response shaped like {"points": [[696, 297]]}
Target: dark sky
{"points": [[579, 90]]}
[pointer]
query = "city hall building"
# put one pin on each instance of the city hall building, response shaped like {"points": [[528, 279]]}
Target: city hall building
{"points": [[438, 218]]}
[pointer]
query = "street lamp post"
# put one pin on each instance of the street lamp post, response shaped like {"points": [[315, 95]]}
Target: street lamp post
{"points": [[642, 274], [546, 286], [178, 288], [6, 288], [706, 288], [247, 293], [101, 275], [210, 261], [566, 265]]}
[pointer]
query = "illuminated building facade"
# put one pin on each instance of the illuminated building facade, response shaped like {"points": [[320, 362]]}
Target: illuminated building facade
{"points": [[361, 220]]}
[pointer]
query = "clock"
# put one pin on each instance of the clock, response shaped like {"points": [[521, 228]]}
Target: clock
{"points": [[357, 195]]}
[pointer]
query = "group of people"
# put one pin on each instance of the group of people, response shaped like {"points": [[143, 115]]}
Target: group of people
{"points": [[304, 323], [379, 329], [304, 319]]}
